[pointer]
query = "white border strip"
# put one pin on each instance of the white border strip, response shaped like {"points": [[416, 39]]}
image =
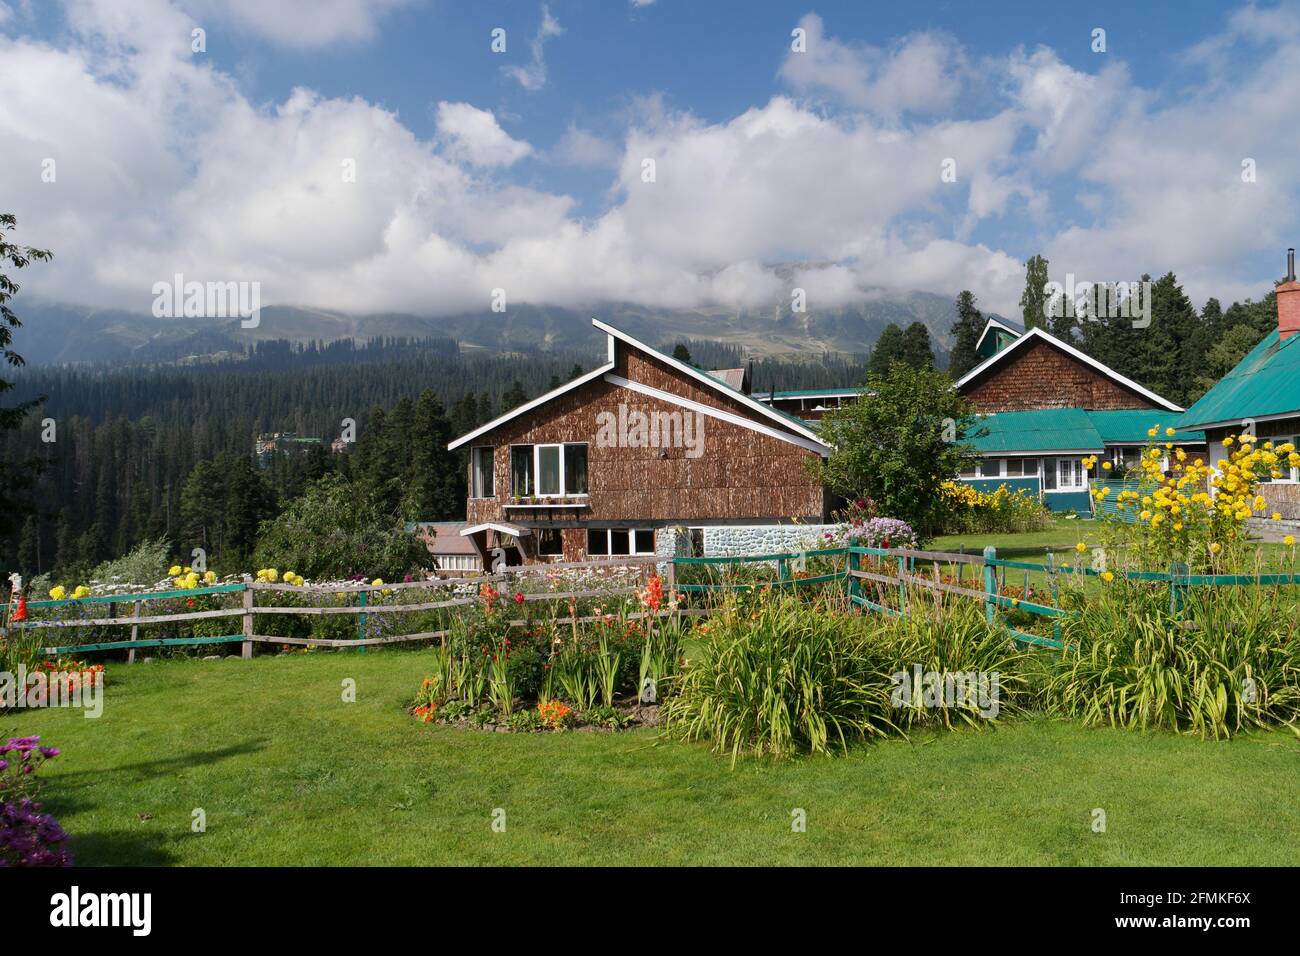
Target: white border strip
{"points": [[819, 447], [1037, 332], [540, 399], [710, 381]]}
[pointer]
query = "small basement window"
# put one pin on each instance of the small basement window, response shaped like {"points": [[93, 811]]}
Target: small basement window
{"points": [[550, 542], [620, 541]]}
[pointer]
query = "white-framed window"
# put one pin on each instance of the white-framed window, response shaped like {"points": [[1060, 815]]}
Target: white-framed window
{"points": [[482, 472], [1064, 474], [620, 541], [548, 470]]}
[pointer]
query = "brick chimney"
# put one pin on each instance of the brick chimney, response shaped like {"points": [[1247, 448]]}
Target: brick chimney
{"points": [[1288, 301]]}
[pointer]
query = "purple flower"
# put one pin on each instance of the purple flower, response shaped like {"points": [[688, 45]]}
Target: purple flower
{"points": [[49, 752]]}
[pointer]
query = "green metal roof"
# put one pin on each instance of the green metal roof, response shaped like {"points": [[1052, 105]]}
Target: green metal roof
{"points": [[1039, 430], [807, 392], [1129, 426], [1071, 429], [1265, 382]]}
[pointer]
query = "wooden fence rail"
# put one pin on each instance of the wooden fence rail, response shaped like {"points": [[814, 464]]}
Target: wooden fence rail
{"points": [[902, 575]]}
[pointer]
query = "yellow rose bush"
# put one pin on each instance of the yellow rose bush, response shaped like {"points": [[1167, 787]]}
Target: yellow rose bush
{"points": [[970, 511]]}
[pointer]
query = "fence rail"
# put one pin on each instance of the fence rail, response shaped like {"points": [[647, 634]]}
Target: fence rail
{"points": [[892, 573]]}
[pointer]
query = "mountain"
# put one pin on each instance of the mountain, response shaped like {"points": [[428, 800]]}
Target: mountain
{"points": [[55, 333]]}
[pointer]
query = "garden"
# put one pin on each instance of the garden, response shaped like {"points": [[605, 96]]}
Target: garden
{"points": [[695, 704]]}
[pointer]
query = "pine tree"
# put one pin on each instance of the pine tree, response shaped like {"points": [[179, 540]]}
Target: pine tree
{"points": [[966, 333], [887, 350], [1032, 300], [681, 352], [514, 396], [917, 350]]}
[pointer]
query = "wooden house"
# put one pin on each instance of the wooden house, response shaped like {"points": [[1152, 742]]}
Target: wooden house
{"points": [[1261, 394], [602, 465]]}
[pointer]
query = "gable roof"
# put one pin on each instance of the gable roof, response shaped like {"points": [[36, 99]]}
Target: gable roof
{"points": [[730, 377], [1036, 334], [787, 421], [1006, 325], [1265, 384]]}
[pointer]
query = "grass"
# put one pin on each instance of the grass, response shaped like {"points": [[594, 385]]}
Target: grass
{"points": [[289, 774]]}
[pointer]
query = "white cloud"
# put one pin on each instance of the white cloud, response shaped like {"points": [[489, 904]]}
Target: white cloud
{"points": [[532, 76], [583, 148], [300, 23], [475, 136], [164, 166], [920, 73]]}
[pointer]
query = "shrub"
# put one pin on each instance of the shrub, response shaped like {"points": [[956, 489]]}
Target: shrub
{"points": [[1229, 662], [28, 837], [970, 511]]}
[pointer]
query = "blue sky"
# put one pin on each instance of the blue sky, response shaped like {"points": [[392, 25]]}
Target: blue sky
{"points": [[522, 170]]}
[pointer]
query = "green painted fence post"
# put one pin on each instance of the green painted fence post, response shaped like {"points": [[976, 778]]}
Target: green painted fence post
{"points": [[990, 583], [362, 601], [1056, 597], [780, 569], [1177, 590], [902, 585], [851, 566]]}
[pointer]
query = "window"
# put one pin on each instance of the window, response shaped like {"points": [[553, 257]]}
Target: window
{"points": [[548, 471], [481, 465], [550, 542], [1049, 474], [1014, 467], [970, 471], [1069, 474], [575, 469], [990, 468], [620, 541], [521, 470]]}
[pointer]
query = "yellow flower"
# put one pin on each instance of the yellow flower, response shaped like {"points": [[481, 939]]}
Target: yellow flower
{"points": [[209, 577], [376, 582], [1151, 432], [272, 574], [1227, 442], [174, 570], [81, 592], [1106, 465], [1081, 547], [1276, 516], [58, 592], [1108, 576], [1215, 547], [1289, 540]]}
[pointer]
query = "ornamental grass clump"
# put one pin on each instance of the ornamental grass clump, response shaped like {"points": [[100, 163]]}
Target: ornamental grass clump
{"points": [[1225, 662], [781, 676]]}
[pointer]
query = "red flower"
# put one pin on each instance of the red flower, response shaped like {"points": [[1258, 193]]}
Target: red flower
{"points": [[519, 597]]}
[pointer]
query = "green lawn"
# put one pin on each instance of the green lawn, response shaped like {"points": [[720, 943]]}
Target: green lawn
{"points": [[289, 774]]}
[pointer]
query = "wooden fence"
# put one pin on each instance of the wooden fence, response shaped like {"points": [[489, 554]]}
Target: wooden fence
{"points": [[889, 572], [249, 610]]}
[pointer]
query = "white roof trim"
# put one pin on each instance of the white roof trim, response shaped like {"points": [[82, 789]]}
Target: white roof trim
{"points": [[1018, 333], [710, 381], [540, 399], [1069, 349], [498, 528], [818, 446]]}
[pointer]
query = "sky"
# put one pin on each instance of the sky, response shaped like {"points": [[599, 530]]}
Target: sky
{"points": [[382, 155]]}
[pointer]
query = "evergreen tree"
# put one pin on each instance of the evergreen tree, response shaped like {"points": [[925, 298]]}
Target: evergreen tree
{"points": [[966, 333], [681, 352], [575, 372], [514, 396], [435, 482], [16, 477], [888, 349], [917, 350], [1033, 298]]}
